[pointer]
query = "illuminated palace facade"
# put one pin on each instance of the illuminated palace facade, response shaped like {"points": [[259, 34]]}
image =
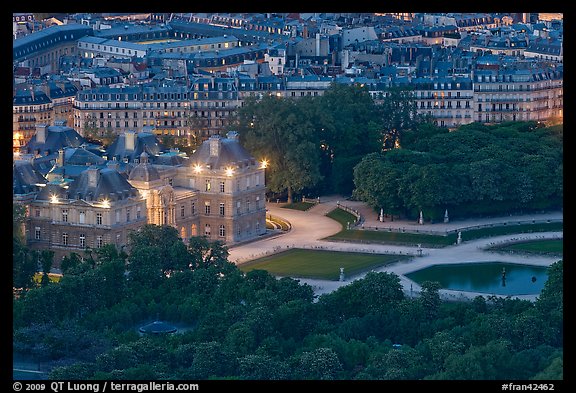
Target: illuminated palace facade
{"points": [[218, 192]]}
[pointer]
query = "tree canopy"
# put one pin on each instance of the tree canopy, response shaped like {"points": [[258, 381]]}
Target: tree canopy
{"points": [[474, 170]]}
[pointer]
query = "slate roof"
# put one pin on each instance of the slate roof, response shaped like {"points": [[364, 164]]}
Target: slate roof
{"points": [[231, 153], [144, 142], [110, 184], [57, 137], [25, 177]]}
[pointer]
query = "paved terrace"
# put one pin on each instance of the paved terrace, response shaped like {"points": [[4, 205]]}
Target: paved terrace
{"points": [[310, 227]]}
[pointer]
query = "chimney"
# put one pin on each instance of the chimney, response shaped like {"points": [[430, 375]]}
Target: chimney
{"points": [[60, 160], [317, 44], [130, 140], [41, 133], [214, 142], [92, 177]]}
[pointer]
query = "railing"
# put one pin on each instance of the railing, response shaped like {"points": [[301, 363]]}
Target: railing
{"points": [[311, 200], [460, 229], [285, 225], [354, 212]]}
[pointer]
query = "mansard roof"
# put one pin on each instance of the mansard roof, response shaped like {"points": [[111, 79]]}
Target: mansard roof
{"points": [[25, 177], [57, 137], [143, 142], [230, 153]]}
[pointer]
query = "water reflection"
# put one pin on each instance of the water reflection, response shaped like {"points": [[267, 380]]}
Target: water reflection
{"points": [[486, 277]]}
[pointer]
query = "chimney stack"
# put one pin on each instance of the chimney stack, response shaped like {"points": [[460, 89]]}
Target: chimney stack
{"points": [[41, 133], [60, 160], [92, 177], [130, 140], [214, 142]]}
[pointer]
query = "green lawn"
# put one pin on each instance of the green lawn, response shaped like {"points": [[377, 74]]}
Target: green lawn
{"points": [[385, 236], [319, 264], [548, 246], [299, 205], [342, 216], [52, 277]]}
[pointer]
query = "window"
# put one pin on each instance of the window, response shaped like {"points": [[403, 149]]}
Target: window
{"points": [[82, 240], [238, 207], [247, 205], [138, 213], [222, 186], [208, 185], [37, 212], [182, 211], [127, 214], [98, 218], [65, 215], [222, 208], [99, 241], [207, 230], [193, 208], [257, 202], [222, 231], [37, 233], [65, 239], [82, 217], [117, 216], [207, 207]]}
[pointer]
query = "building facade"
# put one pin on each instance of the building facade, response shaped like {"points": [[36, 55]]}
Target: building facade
{"points": [[218, 192]]}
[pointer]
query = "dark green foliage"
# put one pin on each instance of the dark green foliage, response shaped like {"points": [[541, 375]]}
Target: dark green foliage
{"points": [[254, 326], [474, 170]]}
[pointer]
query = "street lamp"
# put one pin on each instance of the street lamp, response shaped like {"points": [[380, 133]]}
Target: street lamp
{"points": [[264, 164], [229, 171], [197, 168]]}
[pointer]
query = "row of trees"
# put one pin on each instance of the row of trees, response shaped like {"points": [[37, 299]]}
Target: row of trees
{"points": [[236, 325], [313, 143], [477, 169], [391, 157]]}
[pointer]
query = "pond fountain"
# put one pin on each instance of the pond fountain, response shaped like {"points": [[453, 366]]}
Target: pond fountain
{"points": [[497, 278]]}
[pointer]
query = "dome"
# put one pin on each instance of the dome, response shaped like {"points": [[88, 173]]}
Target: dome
{"points": [[144, 172], [157, 327]]}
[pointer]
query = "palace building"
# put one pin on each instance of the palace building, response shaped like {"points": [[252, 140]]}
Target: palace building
{"points": [[218, 192]]}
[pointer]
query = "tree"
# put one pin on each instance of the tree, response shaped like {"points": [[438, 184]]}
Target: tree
{"points": [[18, 220], [156, 251], [262, 367], [320, 364], [277, 129], [343, 118], [430, 298], [376, 182], [205, 253], [46, 258], [24, 265], [398, 114]]}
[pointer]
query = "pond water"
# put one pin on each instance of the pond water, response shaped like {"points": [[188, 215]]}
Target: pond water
{"points": [[486, 277]]}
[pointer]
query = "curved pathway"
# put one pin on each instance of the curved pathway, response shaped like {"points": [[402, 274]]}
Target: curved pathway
{"points": [[310, 227]]}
